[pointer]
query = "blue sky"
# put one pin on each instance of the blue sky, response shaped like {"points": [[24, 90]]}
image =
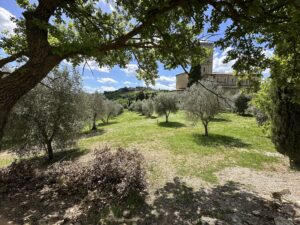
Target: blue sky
{"points": [[109, 79]]}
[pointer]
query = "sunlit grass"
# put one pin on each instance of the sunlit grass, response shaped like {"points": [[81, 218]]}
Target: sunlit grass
{"points": [[233, 141]]}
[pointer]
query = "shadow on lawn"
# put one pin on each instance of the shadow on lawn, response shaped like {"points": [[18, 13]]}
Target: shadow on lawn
{"points": [[92, 133], [171, 124], [41, 161], [175, 204], [106, 124], [217, 140]]}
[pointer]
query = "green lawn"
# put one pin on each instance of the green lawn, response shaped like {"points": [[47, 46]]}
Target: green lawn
{"points": [[180, 149]]}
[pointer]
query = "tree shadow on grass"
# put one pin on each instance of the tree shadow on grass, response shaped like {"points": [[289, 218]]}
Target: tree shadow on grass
{"points": [[171, 124], [178, 204], [92, 133], [42, 162], [175, 204], [106, 124], [217, 140]]}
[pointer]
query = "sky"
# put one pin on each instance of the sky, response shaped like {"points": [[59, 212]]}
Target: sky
{"points": [[102, 79]]}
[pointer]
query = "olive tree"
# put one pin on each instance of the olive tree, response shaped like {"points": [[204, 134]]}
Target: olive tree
{"points": [[96, 105], [109, 109], [201, 103], [166, 103], [148, 107], [241, 103], [50, 116]]}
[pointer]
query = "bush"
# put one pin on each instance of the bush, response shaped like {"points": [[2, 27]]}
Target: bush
{"points": [[113, 175], [241, 103], [108, 176]]}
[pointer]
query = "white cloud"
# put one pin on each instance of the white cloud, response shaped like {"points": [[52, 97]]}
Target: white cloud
{"points": [[160, 86], [104, 80], [99, 89], [130, 69], [107, 88], [166, 79], [218, 64], [93, 65], [130, 83], [5, 21], [90, 65]]}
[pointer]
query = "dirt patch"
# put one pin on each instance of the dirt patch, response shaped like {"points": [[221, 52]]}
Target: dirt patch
{"points": [[264, 183]]}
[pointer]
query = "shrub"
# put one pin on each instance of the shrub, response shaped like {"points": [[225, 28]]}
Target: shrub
{"points": [[241, 103], [111, 175], [108, 176]]}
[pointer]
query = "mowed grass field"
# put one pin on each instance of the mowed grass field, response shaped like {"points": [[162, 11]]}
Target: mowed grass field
{"points": [[179, 149]]}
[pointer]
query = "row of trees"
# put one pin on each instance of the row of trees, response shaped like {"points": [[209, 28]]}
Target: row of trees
{"points": [[200, 101], [53, 114]]}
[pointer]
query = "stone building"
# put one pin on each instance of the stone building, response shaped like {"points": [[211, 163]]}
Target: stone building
{"points": [[227, 81]]}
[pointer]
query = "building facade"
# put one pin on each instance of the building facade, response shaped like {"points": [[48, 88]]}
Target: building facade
{"points": [[225, 80]]}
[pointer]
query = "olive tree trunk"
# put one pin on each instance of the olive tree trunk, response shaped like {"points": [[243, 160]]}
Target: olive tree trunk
{"points": [[49, 150]]}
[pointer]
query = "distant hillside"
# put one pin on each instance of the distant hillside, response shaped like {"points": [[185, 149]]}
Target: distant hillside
{"points": [[129, 92], [127, 95]]}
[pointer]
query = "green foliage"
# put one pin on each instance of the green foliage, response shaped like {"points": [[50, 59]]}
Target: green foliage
{"points": [[148, 107], [263, 105], [285, 111], [109, 109], [201, 104], [241, 103], [194, 75], [166, 103], [51, 115]]}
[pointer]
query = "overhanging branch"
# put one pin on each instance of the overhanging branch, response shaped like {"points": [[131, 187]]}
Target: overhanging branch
{"points": [[11, 58]]}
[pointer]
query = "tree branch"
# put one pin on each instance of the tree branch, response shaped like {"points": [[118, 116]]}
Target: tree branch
{"points": [[11, 58]]}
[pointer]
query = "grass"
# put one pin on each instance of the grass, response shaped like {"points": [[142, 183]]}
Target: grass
{"points": [[178, 148]]}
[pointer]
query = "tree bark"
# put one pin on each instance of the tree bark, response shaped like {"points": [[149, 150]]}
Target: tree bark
{"points": [[167, 118], [206, 130], [49, 150], [4, 111], [94, 122]]}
